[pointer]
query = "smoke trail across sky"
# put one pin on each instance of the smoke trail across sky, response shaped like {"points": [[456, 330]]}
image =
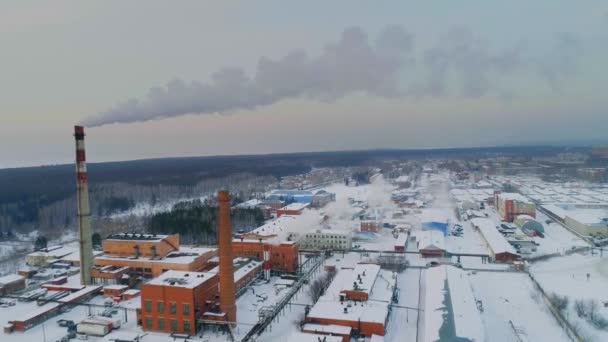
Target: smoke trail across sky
{"points": [[353, 64]]}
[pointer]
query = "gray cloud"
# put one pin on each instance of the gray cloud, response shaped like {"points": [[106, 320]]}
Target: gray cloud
{"points": [[352, 64]]}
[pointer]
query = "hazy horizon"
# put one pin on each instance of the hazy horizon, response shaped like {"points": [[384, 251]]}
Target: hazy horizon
{"points": [[236, 78]]}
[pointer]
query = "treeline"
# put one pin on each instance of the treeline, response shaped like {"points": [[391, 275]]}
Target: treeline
{"points": [[43, 197], [196, 221]]}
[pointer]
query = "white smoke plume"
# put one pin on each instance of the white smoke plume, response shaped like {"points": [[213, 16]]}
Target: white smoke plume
{"points": [[459, 62], [353, 64]]}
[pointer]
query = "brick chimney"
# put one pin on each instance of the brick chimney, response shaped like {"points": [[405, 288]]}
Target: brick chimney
{"points": [[224, 229]]}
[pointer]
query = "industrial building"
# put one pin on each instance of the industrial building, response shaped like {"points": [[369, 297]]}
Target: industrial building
{"points": [[38, 314], [500, 249], [371, 226], [292, 209], [585, 221], [11, 283], [300, 196], [275, 240], [283, 256], [327, 239], [509, 205], [174, 301], [150, 255], [49, 255], [321, 198], [343, 332], [430, 243], [358, 298]]}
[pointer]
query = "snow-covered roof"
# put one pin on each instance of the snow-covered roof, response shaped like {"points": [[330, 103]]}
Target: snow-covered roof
{"points": [[555, 210], [242, 267], [375, 309], [275, 227], [329, 328], [589, 216], [496, 241], [364, 275], [430, 239], [185, 255], [307, 337], [184, 279], [115, 287], [401, 240], [296, 206], [136, 237], [514, 197], [7, 279], [54, 252]]}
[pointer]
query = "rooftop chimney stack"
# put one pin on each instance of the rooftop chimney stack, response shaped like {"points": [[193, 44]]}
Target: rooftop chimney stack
{"points": [[84, 212], [224, 228]]}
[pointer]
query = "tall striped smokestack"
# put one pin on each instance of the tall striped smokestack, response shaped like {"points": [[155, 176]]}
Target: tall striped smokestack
{"points": [[84, 212], [224, 228]]}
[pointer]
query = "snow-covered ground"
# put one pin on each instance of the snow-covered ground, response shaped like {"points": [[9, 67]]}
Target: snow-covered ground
{"points": [[557, 238], [567, 276], [403, 319], [513, 310], [51, 331]]}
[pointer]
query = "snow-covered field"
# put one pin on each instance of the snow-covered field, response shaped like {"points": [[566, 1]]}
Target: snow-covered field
{"points": [[567, 276], [513, 309]]}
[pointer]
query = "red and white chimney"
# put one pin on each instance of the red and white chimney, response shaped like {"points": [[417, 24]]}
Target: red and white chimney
{"points": [[266, 261], [84, 211]]}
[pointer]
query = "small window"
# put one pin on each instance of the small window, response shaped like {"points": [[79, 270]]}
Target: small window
{"points": [[161, 324], [148, 305], [160, 307], [149, 322], [173, 325], [172, 308], [186, 309], [187, 326]]}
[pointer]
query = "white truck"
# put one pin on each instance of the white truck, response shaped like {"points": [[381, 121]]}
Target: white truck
{"points": [[94, 327]]}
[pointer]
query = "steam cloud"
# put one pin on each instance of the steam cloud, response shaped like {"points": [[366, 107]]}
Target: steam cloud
{"points": [[353, 64]]}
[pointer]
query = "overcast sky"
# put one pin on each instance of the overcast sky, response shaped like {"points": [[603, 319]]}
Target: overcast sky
{"points": [[194, 78]]}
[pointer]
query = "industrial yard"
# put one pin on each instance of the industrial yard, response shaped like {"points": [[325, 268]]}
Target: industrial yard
{"points": [[424, 255]]}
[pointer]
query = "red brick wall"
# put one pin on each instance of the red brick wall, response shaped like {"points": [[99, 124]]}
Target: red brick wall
{"points": [[168, 294]]}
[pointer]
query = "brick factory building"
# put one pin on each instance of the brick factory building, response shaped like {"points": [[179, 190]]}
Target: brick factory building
{"points": [[278, 239], [370, 226], [175, 300], [141, 245], [284, 256], [150, 255], [510, 205]]}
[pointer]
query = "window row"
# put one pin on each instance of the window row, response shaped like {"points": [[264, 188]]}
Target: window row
{"points": [[173, 323], [160, 307]]}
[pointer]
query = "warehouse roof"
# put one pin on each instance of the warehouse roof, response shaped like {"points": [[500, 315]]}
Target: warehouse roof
{"points": [[514, 197], [496, 241]]}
